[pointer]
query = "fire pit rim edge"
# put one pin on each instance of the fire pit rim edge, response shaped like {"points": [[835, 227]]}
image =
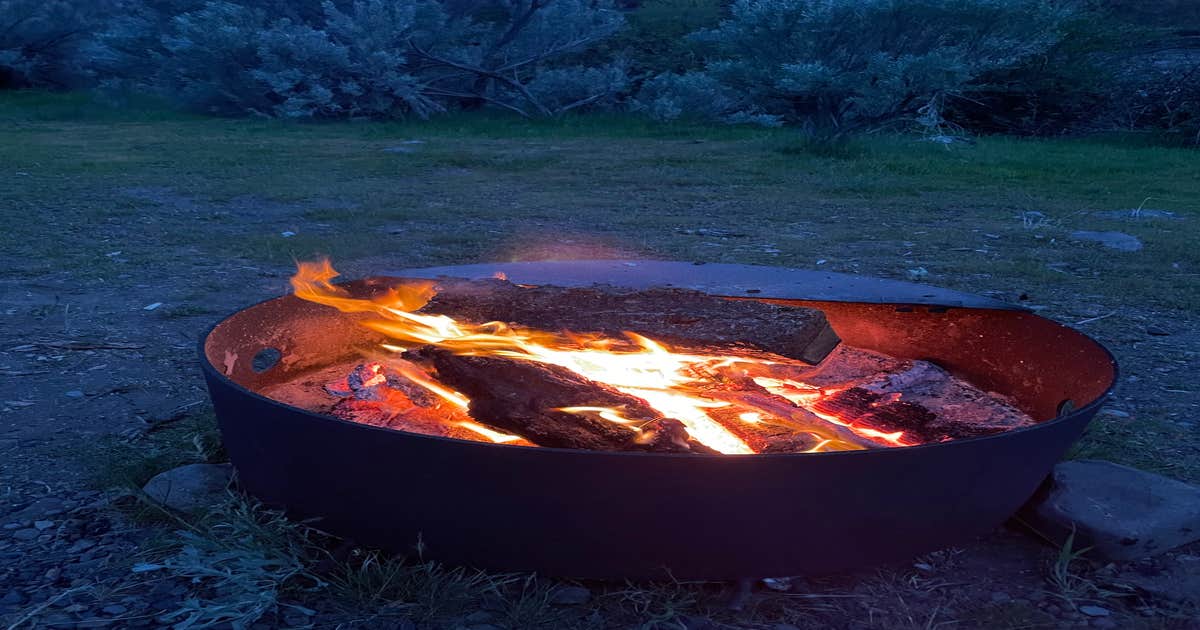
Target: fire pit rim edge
{"points": [[211, 370]]}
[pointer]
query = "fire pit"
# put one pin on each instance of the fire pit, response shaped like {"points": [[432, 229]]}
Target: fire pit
{"points": [[844, 489]]}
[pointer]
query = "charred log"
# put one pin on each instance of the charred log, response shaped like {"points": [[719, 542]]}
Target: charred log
{"points": [[781, 425], [683, 319], [534, 400], [861, 407]]}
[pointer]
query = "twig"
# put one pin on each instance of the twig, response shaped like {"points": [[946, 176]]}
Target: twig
{"points": [[176, 414], [1092, 319]]}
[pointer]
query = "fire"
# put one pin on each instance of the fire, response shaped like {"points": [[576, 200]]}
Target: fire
{"points": [[672, 383]]}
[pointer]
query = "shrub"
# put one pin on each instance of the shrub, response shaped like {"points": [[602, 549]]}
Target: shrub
{"points": [[697, 95], [1066, 87], [656, 37], [369, 58], [43, 42], [836, 66]]}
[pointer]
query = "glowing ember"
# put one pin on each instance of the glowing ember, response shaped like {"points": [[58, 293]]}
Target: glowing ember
{"points": [[705, 392]]}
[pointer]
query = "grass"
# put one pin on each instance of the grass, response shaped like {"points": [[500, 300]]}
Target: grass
{"points": [[129, 461], [104, 194]]}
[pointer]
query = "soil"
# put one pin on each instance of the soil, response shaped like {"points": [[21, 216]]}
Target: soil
{"points": [[66, 548], [103, 219]]}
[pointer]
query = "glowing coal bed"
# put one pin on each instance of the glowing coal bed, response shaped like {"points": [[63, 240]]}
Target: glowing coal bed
{"points": [[445, 375]]}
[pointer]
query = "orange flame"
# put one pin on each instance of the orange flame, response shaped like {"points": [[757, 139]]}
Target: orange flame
{"points": [[670, 382]]}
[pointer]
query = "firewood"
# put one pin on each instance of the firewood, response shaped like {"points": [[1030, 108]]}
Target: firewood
{"points": [[861, 407], [533, 400], [685, 320], [777, 411], [762, 436]]}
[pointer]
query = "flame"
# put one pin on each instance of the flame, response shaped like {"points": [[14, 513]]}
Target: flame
{"points": [[805, 395], [495, 436], [670, 382]]}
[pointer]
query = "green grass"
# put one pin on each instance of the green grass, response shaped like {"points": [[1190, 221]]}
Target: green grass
{"points": [[105, 194], [128, 462], [161, 187]]}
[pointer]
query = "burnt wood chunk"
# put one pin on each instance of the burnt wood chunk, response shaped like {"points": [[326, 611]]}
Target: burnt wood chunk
{"points": [[779, 419], [683, 319], [864, 408], [529, 399]]}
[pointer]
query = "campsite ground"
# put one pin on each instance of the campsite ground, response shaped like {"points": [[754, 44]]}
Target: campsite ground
{"points": [[106, 212]]}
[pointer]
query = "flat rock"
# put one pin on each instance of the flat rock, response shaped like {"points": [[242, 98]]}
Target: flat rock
{"points": [[190, 487], [1122, 513], [45, 506], [1112, 240], [25, 534], [13, 598]]}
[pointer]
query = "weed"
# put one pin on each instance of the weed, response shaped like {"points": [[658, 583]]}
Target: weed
{"points": [[241, 561], [1068, 584]]}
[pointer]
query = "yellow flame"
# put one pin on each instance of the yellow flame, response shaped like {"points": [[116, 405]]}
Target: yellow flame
{"points": [[494, 436], [638, 366]]}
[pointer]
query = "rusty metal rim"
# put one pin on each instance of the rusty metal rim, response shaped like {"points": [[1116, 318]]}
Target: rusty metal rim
{"points": [[1085, 410]]}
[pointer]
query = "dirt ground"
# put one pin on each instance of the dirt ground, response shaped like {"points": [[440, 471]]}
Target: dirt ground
{"points": [[126, 240]]}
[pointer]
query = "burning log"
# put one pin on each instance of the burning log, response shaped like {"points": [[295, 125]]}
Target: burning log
{"points": [[546, 404], [761, 435], [688, 320], [862, 407], [790, 423]]}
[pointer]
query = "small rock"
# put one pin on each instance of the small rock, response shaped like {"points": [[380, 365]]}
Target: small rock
{"points": [[1157, 332], [25, 534], [75, 393], [81, 545], [1094, 611], [287, 234], [59, 620], [570, 596], [923, 566], [1121, 512], [13, 598], [151, 307], [52, 574], [1112, 240], [43, 525], [781, 584], [190, 487], [917, 273]]}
